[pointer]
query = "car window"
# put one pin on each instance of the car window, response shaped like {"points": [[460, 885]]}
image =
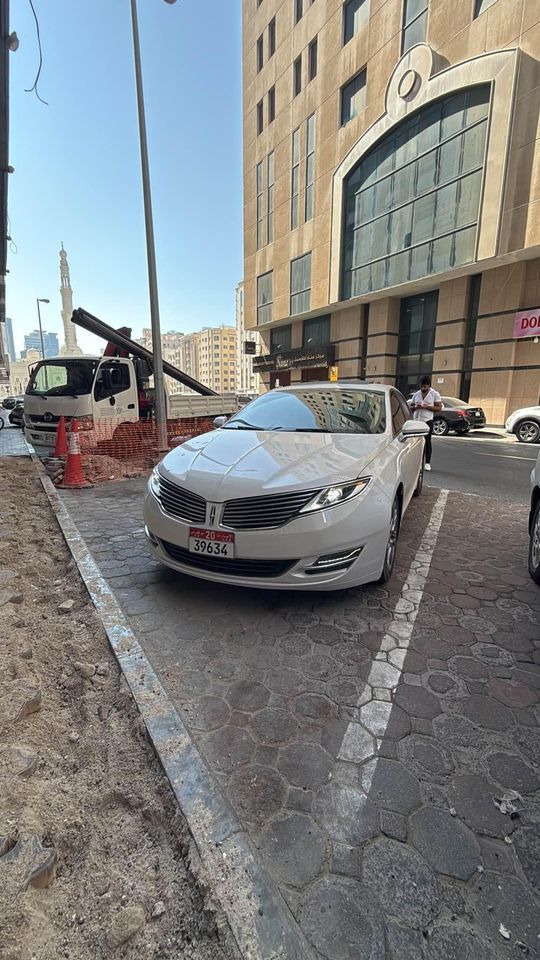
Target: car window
{"points": [[452, 402], [119, 377], [398, 413]]}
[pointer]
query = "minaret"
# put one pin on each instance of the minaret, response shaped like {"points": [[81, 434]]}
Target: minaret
{"points": [[70, 347]]}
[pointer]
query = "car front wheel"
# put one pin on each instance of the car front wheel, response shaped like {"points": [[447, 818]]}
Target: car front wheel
{"points": [[440, 427], [528, 431], [393, 534], [534, 546], [420, 482]]}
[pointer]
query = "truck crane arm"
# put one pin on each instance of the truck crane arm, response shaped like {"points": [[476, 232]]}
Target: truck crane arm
{"points": [[86, 320]]}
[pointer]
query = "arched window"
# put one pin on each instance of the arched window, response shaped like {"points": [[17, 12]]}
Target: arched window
{"points": [[411, 204]]}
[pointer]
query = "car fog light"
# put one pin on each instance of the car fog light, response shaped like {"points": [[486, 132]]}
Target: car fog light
{"points": [[333, 561]]}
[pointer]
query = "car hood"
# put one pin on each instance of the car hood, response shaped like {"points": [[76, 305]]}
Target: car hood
{"points": [[227, 464]]}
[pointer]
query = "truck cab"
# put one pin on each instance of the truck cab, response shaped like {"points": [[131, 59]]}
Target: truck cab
{"points": [[95, 390]]}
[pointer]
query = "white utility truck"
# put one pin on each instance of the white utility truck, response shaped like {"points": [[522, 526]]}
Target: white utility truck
{"points": [[105, 392]]}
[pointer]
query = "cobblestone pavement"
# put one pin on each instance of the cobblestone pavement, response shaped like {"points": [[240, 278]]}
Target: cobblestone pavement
{"points": [[11, 439], [381, 745]]}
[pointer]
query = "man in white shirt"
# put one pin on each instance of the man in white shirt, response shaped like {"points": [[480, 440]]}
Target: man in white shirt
{"points": [[425, 403]]}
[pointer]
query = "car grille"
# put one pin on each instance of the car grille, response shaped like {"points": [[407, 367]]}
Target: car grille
{"points": [[256, 513], [229, 567], [181, 503]]}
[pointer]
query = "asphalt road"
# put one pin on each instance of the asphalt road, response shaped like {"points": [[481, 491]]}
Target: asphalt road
{"points": [[482, 465]]}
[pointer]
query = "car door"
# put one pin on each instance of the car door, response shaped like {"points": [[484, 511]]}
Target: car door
{"points": [[409, 450]]}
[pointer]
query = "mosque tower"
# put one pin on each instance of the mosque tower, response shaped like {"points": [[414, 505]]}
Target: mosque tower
{"points": [[70, 347]]}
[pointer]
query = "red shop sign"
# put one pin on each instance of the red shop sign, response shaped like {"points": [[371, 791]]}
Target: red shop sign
{"points": [[527, 323]]}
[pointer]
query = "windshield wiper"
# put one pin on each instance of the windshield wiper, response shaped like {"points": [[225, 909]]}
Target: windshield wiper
{"points": [[312, 430]]}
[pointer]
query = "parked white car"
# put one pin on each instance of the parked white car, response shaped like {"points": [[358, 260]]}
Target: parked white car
{"points": [[534, 524], [304, 489], [525, 424]]}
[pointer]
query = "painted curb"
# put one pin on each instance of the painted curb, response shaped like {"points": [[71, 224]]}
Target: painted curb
{"points": [[258, 917]]}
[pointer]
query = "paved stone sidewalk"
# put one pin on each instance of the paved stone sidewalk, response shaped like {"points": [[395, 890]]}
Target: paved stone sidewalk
{"points": [[11, 439], [397, 825]]}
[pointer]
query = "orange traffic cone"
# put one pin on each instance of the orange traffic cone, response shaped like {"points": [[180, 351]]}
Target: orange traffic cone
{"points": [[74, 478], [60, 447]]}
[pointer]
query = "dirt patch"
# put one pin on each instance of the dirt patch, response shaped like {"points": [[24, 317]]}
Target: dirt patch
{"points": [[94, 855]]}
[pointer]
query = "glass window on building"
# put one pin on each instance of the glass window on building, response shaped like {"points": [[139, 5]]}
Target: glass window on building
{"points": [[270, 198], [353, 97], [300, 284], [272, 37], [316, 332], [271, 104], [411, 204], [481, 5], [260, 54], [297, 76], [295, 178], [260, 225], [310, 167], [280, 339], [312, 59], [264, 298], [355, 16], [417, 323], [298, 10], [260, 117], [415, 16]]}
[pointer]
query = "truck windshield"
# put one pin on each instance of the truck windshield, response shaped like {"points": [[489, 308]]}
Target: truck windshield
{"points": [[63, 378]]}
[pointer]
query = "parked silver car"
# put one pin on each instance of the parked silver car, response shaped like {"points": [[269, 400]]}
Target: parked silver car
{"points": [[525, 424]]}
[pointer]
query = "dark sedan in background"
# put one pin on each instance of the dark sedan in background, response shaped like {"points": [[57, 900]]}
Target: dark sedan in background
{"points": [[16, 415], [457, 416]]}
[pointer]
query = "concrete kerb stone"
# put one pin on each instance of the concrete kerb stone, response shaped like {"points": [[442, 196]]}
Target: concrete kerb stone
{"points": [[258, 918]]}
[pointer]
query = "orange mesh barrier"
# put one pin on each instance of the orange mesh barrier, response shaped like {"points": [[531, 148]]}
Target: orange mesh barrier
{"points": [[113, 451]]}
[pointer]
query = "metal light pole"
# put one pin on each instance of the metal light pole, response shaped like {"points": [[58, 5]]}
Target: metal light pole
{"points": [[159, 384], [38, 301]]}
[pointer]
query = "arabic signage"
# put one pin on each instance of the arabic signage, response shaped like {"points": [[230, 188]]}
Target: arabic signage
{"points": [[527, 323], [294, 359]]}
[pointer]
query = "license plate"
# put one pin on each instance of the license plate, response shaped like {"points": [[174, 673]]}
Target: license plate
{"points": [[211, 543]]}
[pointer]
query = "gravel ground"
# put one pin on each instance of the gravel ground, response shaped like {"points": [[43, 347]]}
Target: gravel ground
{"points": [[94, 856]]}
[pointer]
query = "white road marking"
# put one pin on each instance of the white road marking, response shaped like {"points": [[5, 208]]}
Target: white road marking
{"points": [[387, 667], [502, 456]]}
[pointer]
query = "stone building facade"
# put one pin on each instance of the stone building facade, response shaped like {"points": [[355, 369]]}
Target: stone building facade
{"points": [[392, 192]]}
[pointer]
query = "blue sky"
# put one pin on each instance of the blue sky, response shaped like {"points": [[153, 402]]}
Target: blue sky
{"points": [[77, 165]]}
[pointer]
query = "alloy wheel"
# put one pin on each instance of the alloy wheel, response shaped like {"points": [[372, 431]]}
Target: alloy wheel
{"points": [[528, 431], [393, 535], [440, 427]]}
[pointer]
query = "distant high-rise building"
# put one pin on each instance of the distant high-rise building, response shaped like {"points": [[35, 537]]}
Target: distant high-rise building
{"points": [[32, 341], [247, 382], [10, 342], [209, 356]]}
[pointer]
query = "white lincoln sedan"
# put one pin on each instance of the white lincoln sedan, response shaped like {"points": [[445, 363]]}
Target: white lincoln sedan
{"points": [[305, 488]]}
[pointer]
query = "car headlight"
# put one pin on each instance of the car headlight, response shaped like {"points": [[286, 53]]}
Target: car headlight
{"points": [[154, 482], [340, 493]]}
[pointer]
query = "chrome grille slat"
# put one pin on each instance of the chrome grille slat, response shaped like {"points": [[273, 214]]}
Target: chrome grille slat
{"points": [[181, 503], [274, 510]]}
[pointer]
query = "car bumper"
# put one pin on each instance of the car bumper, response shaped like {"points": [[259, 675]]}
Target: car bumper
{"points": [[361, 525]]}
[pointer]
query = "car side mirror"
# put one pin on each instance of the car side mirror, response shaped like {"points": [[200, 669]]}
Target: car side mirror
{"points": [[414, 428], [219, 421]]}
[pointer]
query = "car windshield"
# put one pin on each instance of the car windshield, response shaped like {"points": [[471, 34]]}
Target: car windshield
{"points": [[63, 378], [314, 411]]}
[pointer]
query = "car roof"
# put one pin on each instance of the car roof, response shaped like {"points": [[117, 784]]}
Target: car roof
{"points": [[337, 385]]}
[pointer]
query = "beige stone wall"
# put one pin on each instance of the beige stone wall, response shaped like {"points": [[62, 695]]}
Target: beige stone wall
{"points": [[454, 35]]}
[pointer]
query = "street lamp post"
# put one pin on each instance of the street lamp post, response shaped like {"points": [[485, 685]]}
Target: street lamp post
{"points": [[159, 384], [38, 301]]}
